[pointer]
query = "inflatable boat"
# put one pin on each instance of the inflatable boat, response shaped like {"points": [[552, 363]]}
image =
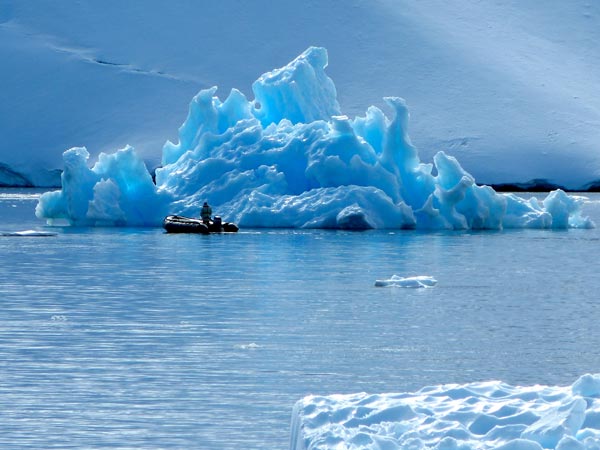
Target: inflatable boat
{"points": [[180, 224]]}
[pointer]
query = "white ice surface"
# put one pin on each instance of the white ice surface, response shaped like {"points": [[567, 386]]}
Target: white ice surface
{"points": [[476, 416]]}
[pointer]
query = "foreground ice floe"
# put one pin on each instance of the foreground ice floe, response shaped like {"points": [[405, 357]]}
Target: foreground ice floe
{"points": [[290, 159], [422, 281], [477, 416]]}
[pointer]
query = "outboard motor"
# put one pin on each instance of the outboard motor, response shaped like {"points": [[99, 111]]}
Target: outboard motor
{"points": [[217, 222]]}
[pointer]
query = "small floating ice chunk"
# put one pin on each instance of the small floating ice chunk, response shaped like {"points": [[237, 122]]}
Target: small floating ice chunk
{"points": [[27, 233], [250, 346], [408, 282], [58, 318]]}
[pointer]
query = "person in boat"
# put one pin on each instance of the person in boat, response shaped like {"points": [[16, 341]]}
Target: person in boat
{"points": [[206, 213]]}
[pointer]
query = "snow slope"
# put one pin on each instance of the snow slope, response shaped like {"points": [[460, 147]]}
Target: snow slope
{"points": [[510, 88]]}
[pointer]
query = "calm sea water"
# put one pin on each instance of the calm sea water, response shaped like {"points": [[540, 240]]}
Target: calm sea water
{"points": [[132, 338]]}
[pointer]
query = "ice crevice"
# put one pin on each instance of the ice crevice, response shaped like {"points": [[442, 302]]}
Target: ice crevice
{"points": [[290, 158]]}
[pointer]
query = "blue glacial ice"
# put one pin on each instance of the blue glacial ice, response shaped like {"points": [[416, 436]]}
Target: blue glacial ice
{"points": [[290, 158], [476, 416]]}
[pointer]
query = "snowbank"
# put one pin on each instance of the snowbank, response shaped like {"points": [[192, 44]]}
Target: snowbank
{"points": [[290, 159], [477, 416]]}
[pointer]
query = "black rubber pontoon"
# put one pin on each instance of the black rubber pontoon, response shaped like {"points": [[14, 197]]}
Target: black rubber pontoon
{"points": [[180, 224]]}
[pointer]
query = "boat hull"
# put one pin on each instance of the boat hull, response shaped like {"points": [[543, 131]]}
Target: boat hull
{"points": [[181, 224]]}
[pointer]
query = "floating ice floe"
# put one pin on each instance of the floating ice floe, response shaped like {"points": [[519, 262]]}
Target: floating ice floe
{"points": [[290, 158], [408, 282], [250, 346], [28, 233], [477, 416]]}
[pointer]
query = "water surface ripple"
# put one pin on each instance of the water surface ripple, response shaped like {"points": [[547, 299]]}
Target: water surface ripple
{"points": [[132, 338]]}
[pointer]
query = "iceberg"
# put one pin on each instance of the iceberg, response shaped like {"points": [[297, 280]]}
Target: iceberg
{"points": [[290, 158], [476, 416]]}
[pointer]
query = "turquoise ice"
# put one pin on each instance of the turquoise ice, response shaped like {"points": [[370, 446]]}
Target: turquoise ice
{"points": [[290, 158]]}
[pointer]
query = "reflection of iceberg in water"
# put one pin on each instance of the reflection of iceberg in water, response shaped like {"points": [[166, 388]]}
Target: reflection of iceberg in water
{"points": [[290, 159]]}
